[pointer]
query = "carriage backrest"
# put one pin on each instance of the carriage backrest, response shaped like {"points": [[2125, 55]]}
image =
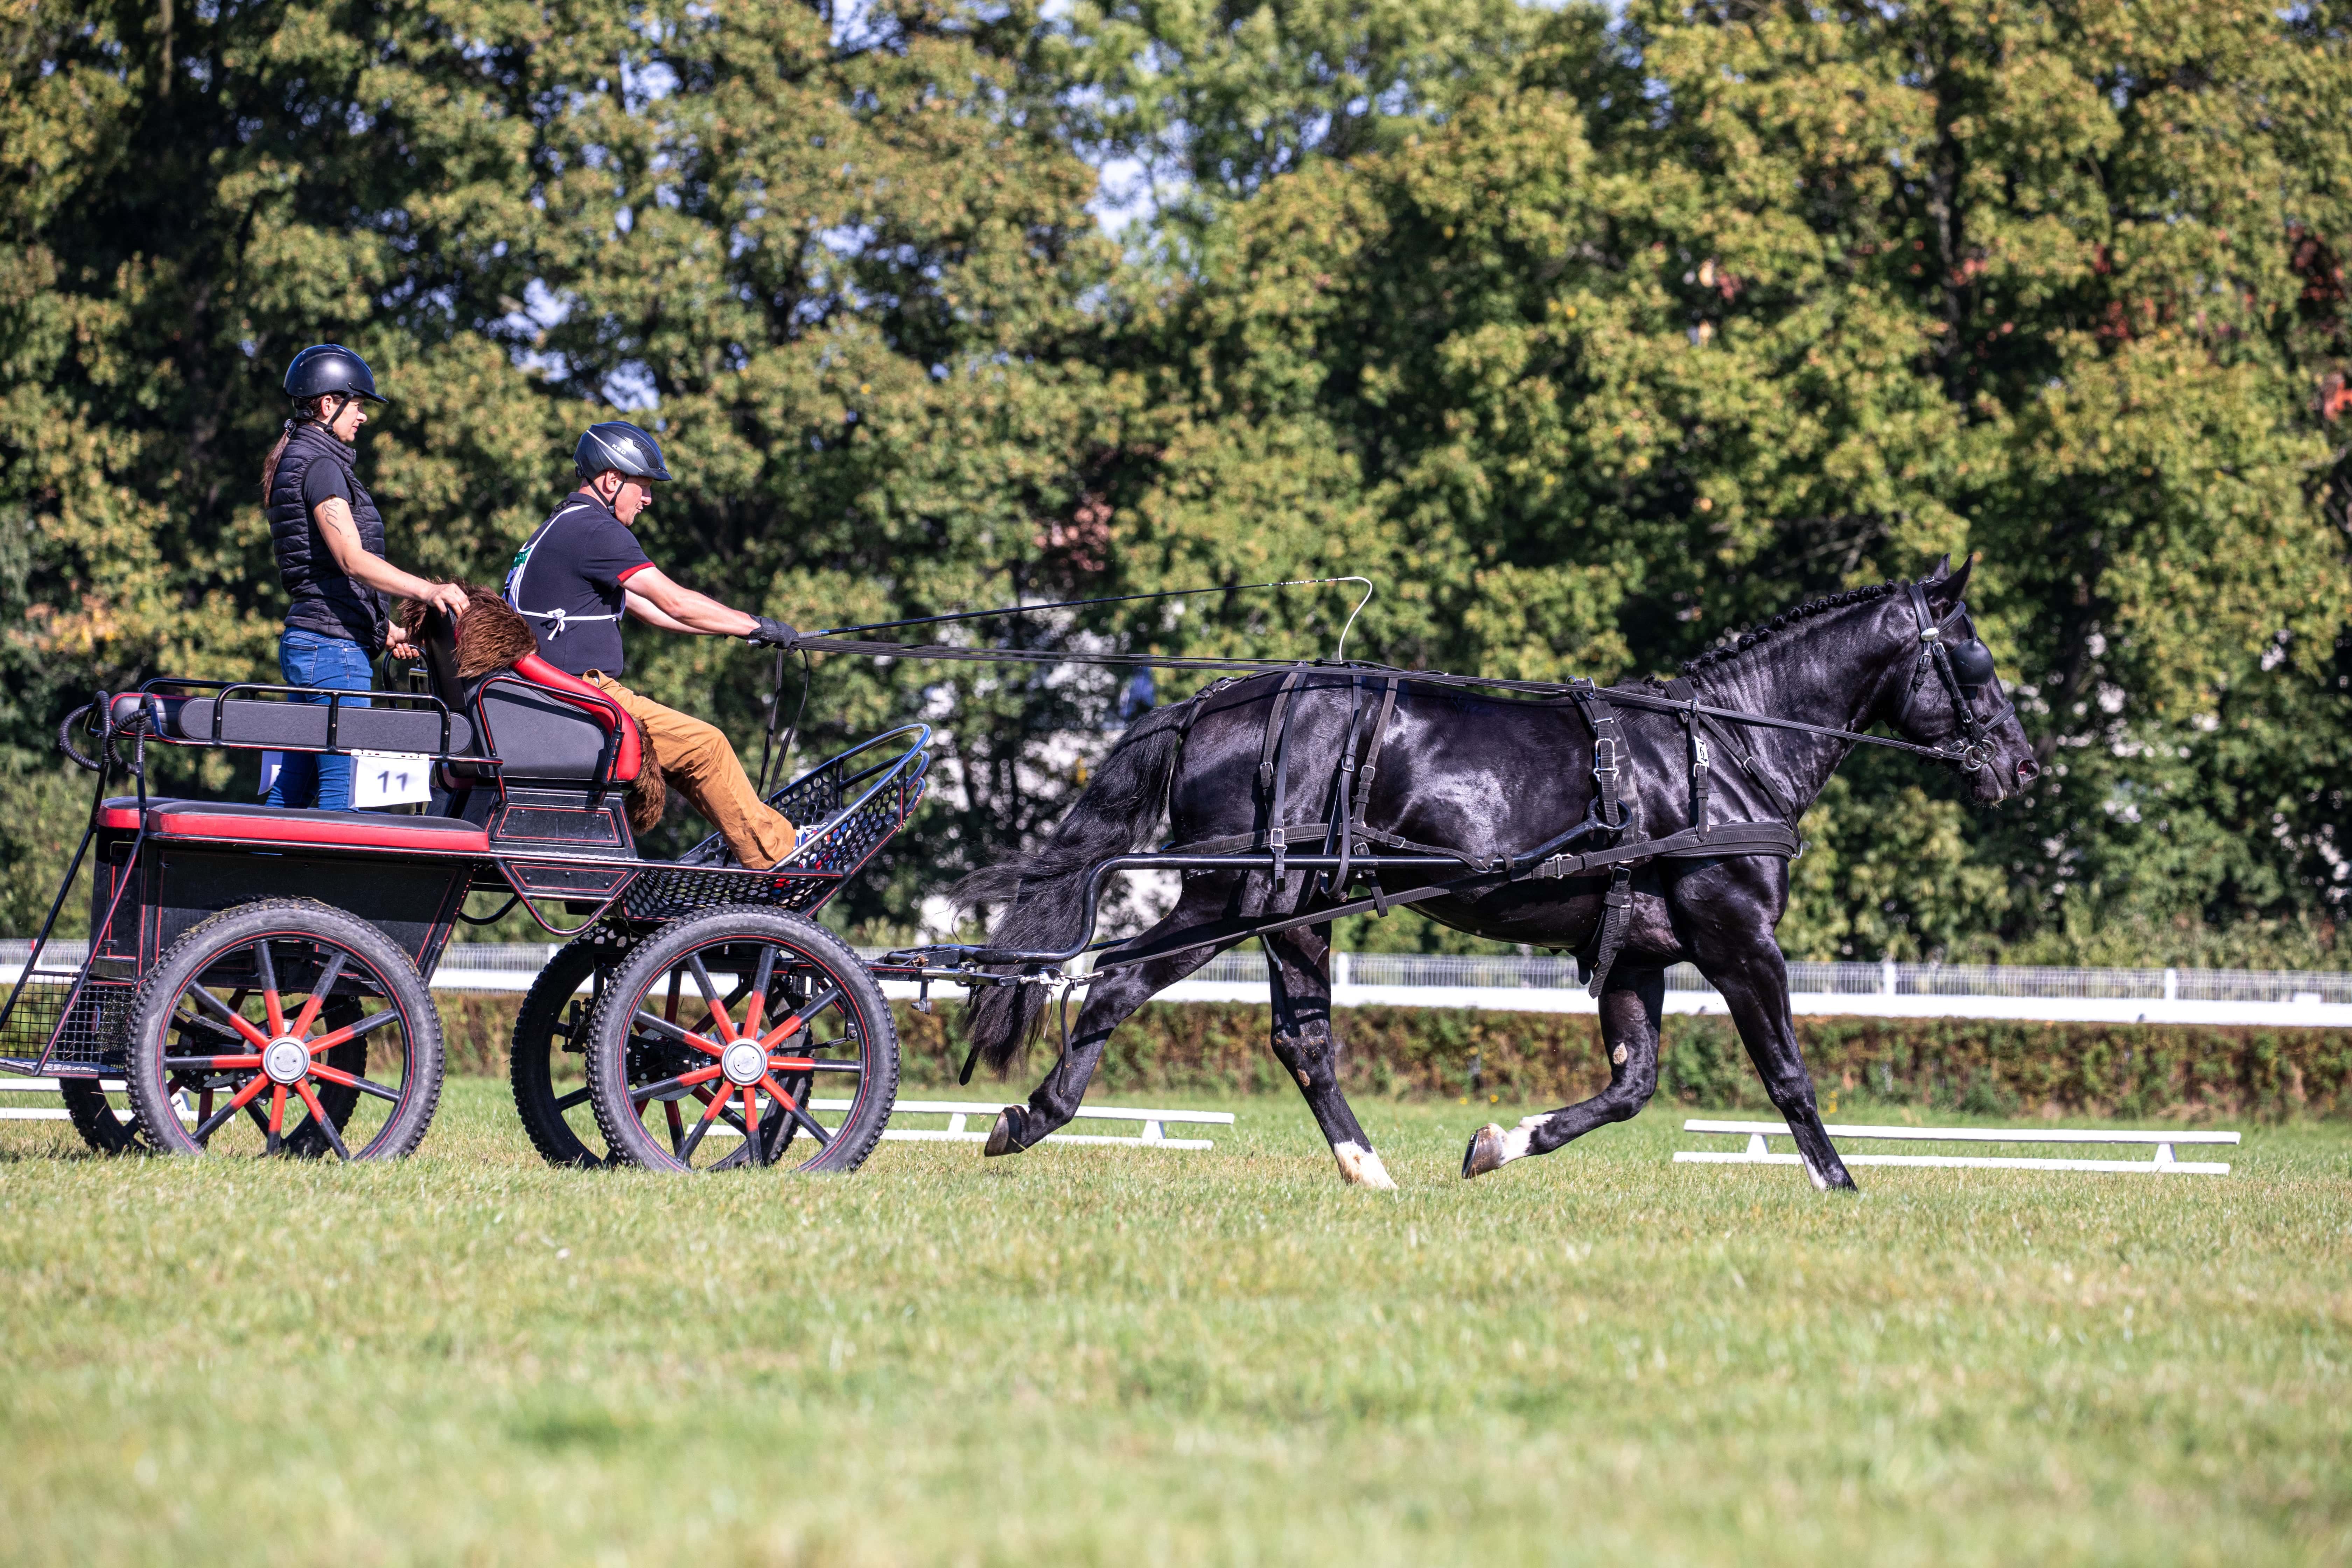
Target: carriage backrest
{"points": [[546, 726]]}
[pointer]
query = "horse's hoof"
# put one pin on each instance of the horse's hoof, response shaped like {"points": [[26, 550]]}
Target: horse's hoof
{"points": [[1002, 1139], [1485, 1153], [1362, 1167]]}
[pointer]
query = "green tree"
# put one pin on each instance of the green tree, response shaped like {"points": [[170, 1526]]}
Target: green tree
{"points": [[1594, 374], [839, 258]]}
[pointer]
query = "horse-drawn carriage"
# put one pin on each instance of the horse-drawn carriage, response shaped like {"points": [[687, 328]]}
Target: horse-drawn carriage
{"points": [[257, 977], [249, 965]]}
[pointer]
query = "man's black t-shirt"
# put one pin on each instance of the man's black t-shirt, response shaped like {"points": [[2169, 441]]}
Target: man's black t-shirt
{"points": [[568, 580]]}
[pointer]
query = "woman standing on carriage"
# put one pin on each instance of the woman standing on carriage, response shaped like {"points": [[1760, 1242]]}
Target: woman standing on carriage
{"points": [[329, 540]]}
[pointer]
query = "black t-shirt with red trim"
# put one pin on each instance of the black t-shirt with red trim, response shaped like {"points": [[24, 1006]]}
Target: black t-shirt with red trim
{"points": [[568, 580]]}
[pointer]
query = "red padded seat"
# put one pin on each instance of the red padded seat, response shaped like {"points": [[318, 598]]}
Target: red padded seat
{"points": [[235, 821]]}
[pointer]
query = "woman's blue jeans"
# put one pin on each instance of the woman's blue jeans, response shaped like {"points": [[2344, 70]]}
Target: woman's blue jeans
{"points": [[337, 664]]}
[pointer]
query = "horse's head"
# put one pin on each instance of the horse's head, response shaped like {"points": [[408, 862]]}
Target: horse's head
{"points": [[1948, 696]]}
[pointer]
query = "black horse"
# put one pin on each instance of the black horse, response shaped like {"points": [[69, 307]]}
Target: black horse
{"points": [[1492, 777]]}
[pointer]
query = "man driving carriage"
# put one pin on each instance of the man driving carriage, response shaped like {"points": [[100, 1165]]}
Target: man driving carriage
{"points": [[583, 571]]}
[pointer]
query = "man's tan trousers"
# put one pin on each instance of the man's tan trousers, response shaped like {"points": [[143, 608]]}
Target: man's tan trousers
{"points": [[697, 760]]}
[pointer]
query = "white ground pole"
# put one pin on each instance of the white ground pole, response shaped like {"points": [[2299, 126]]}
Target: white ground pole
{"points": [[960, 1113], [1758, 1152]]}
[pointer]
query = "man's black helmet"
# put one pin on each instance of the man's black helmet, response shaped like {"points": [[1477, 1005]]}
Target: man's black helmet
{"points": [[326, 370], [618, 444]]}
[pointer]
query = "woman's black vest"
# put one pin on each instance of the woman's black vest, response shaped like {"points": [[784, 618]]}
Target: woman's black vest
{"points": [[324, 600]]}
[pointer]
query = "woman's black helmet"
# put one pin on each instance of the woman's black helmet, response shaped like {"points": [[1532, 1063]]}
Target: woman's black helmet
{"points": [[330, 370], [620, 446]]}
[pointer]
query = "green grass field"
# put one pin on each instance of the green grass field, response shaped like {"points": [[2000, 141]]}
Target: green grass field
{"points": [[1116, 1356]]}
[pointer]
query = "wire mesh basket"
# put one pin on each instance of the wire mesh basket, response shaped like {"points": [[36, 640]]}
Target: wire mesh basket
{"points": [[88, 1034]]}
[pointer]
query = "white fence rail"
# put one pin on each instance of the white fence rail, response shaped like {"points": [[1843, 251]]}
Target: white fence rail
{"points": [[48, 1086], [1551, 985], [1759, 1152]]}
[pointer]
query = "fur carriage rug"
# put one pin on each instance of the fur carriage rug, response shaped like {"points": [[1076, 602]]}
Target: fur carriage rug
{"points": [[491, 636]]}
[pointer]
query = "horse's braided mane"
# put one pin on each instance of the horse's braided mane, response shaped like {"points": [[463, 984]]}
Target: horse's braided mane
{"points": [[1741, 642]]}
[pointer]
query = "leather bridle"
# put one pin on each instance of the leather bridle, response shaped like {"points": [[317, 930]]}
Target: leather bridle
{"points": [[1965, 668]]}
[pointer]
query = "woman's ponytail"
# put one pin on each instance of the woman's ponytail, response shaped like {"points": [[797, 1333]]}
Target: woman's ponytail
{"points": [[309, 409], [270, 465]]}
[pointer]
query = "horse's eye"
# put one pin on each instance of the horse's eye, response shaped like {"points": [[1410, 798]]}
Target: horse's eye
{"points": [[1971, 663]]}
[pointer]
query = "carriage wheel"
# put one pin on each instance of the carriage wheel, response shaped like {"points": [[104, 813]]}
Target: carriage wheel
{"points": [[738, 1038], [289, 1028], [92, 1113], [547, 1060]]}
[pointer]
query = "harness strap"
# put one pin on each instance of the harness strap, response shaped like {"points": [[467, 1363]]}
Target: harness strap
{"points": [[1725, 839], [1610, 755], [1681, 688], [1273, 767], [1731, 839], [1343, 804], [1616, 914], [1365, 773], [1296, 831]]}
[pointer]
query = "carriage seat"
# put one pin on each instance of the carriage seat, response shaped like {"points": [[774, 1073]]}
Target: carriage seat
{"points": [[234, 821], [277, 724], [545, 725]]}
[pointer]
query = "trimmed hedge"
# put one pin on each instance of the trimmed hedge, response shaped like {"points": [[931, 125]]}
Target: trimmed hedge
{"points": [[1528, 1060]]}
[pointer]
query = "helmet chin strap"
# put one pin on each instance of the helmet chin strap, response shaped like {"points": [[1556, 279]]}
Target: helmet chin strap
{"points": [[320, 414]]}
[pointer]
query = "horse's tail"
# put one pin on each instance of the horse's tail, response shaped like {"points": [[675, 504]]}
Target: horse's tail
{"points": [[1118, 811]]}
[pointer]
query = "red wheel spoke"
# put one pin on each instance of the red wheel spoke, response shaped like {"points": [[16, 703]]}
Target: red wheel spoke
{"points": [[683, 1081], [318, 999], [319, 1069], [792, 1109], [711, 997], [676, 1124], [244, 1097], [227, 1015], [271, 1003], [756, 1008], [710, 1113], [222, 1064], [663, 1027], [365, 1026], [276, 1114], [793, 1025], [319, 1112]]}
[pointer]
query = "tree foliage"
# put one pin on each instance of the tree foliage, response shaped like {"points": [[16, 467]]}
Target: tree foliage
{"points": [[1589, 337]]}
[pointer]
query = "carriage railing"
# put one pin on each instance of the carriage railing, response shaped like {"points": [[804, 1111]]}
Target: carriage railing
{"points": [[156, 715], [819, 794], [871, 801], [841, 800]]}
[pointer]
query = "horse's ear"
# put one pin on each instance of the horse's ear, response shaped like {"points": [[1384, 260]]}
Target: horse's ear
{"points": [[1945, 585]]}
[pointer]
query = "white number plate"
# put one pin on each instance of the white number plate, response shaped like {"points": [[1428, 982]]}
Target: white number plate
{"points": [[390, 778]]}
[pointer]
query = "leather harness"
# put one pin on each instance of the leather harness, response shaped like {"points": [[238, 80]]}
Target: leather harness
{"points": [[1609, 818]]}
